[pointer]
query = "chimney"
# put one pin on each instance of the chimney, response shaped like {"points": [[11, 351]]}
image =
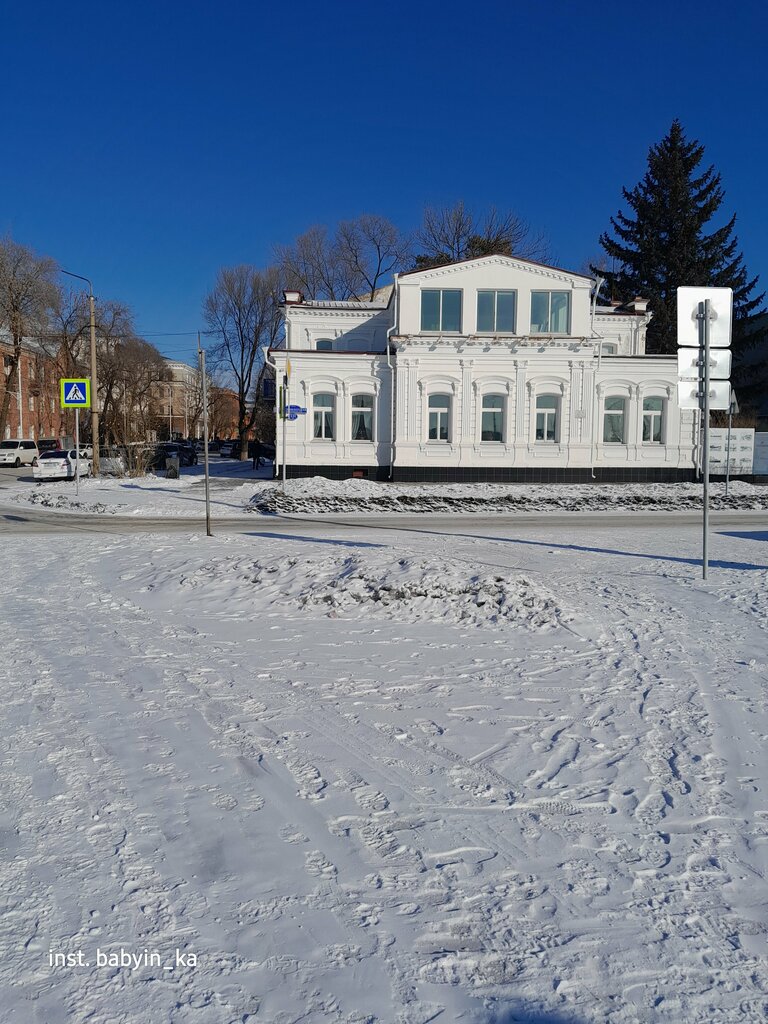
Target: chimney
{"points": [[639, 304], [292, 298]]}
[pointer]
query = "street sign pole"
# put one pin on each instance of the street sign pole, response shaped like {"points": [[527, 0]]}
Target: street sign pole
{"points": [[728, 446], [703, 318], [201, 354], [285, 424], [77, 452]]}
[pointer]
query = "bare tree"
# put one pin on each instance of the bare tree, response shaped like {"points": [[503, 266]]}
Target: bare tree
{"points": [[243, 314], [452, 233], [351, 262], [313, 266], [371, 248], [27, 293]]}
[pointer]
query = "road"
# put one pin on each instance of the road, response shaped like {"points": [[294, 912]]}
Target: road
{"points": [[15, 520]]}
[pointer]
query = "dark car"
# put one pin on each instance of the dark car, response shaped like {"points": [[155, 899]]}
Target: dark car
{"points": [[186, 455]]}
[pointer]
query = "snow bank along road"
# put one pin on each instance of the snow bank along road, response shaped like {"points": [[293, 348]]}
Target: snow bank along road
{"points": [[491, 774]]}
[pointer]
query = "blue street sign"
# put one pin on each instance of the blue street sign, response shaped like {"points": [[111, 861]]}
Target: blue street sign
{"points": [[293, 416], [297, 409], [75, 392]]}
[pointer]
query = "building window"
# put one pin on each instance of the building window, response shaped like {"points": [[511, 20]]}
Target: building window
{"points": [[496, 312], [492, 420], [609, 348], [547, 409], [31, 403], [653, 420], [550, 312], [362, 417], [323, 417], [324, 345], [441, 309], [439, 418], [613, 420]]}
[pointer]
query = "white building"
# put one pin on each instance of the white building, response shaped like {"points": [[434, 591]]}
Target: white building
{"points": [[495, 369]]}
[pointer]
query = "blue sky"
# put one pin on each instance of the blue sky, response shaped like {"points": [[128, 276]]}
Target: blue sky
{"points": [[147, 144]]}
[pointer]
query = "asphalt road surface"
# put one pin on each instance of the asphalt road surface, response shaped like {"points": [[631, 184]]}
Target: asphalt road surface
{"points": [[15, 521]]}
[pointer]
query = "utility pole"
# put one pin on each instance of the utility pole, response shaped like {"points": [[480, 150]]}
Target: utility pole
{"points": [[201, 354], [94, 378]]}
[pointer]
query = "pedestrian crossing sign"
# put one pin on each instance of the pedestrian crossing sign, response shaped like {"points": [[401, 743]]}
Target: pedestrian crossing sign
{"points": [[75, 393]]}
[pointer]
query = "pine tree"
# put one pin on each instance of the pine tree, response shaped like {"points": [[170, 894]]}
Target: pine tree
{"points": [[665, 244]]}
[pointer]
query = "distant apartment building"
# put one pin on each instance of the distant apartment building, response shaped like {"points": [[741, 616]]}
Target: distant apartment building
{"points": [[34, 410]]}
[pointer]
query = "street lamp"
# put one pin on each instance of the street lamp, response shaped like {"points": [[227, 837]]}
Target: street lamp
{"points": [[94, 381]]}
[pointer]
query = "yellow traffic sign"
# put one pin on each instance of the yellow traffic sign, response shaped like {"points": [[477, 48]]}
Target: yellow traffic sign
{"points": [[75, 392]]}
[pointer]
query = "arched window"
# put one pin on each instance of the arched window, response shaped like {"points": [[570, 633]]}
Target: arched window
{"points": [[323, 408], [492, 419], [613, 420], [547, 417], [653, 420], [362, 417], [324, 345], [439, 418]]}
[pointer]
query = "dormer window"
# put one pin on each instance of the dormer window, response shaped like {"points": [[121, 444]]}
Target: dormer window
{"points": [[496, 312], [550, 312], [324, 345], [441, 310]]}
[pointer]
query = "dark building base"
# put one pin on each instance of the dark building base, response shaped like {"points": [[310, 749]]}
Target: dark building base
{"points": [[501, 475]]}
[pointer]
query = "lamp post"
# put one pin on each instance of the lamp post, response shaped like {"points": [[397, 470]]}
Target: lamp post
{"points": [[94, 381]]}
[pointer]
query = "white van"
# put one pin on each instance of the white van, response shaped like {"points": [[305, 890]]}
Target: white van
{"points": [[18, 453]]}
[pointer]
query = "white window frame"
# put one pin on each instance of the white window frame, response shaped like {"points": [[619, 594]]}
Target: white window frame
{"points": [[613, 412], [441, 329], [653, 414], [503, 410], [547, 412], [323, 409], [550, 292], [495, 292], [371, 409], [440, 413]]}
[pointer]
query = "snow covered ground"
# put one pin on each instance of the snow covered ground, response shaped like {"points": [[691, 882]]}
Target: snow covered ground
{"points": [[236, 490], [387, 777]]}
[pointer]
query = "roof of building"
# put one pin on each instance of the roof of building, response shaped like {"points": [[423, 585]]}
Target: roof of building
{"points": [[496, 256]]}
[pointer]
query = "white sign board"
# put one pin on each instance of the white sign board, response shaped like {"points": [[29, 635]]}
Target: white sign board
{"points": [[688, 363], [688, 394], [740, 456], [721, 305], [760, 461]]}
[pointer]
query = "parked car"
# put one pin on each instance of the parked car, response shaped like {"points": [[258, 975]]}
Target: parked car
{"points": [[172, 450], [18, 453], [188, 454], [225, 449], [214, 446], [51, 444], [113, 460], [62, 464]]}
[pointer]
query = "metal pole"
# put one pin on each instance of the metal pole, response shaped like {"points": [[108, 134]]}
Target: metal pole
{"points": [[703, 316], [285, 423], [18, 398], [77, 452], [94, 390], [94, 378], [201, 353], [728, 445]]}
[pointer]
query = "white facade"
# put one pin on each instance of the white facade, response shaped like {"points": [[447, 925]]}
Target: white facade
{"points": [[502, 370]]}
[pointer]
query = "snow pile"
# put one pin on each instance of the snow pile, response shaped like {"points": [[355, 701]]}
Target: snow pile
{"points": [[46, 498], [318, 494], [413, 589]]}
